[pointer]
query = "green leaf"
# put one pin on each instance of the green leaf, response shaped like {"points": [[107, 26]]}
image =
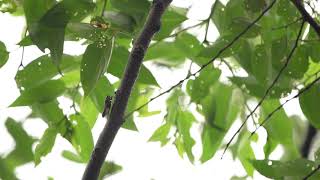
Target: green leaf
{"points": [[132, 6], [72, 156], [51, 114], [238, 24], [199, 88], [43, 93], [269, 147], [171, 19], [94, 63], [22, 152], [220, 109], [120, 21], [255, 5], [190, 46], [47, 29], [245, 153], [6, 172], [159, 53], [224, 40], [184, 122], [161, 134], [103, 89], [82, 138], [42, 69], [89, 111], [280, 127], [118, 64], [4, 54], [108, 169], [45, 145], [298, 168], [309, 103], [219, 17]]}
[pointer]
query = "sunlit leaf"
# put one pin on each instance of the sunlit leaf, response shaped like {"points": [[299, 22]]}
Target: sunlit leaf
{"points": [[45, 145]]}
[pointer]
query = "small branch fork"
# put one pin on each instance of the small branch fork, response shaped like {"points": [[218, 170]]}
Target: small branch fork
{"points": [[269, 88], [208, 63], [306, 16], [116, 119]]}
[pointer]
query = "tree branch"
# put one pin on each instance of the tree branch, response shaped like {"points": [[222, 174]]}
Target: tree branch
{"points": [[307, 17], [311, 133], [116, 119]]}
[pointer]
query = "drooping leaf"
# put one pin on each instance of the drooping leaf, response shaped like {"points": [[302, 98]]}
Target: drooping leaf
{"points": [[82, 138], [220, 109], [94, 63], [280, 127], [45, 145], [309, 103]]}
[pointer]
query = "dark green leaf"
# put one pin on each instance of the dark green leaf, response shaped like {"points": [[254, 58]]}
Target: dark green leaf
{"points": [[6, 172], [132, 6], [109, 169], [298, 168], [4, 54], [103, 89], [118, 63], [255, 5], [309, 103], [94, 63]]}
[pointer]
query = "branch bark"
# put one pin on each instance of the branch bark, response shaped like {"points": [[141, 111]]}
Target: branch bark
{"points": [[307, 17], [116, 119], [306, 147]]}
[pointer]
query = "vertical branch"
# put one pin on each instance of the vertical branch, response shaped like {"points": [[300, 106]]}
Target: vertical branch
{"points": [[306, 147], [306, 16], [116, 119]]}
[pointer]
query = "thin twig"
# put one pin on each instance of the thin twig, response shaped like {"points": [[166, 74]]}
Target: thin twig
{"points": [[269, 88], [206, 64], [287, 25], [288, 100], [185, 29], [207, 21], [312, 173]]}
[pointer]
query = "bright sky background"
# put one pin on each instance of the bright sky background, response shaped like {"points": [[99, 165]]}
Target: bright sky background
{"points": [[140, 160]]}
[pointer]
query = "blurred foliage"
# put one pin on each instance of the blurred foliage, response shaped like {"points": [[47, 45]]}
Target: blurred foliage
{"points": [[220, 100]]}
